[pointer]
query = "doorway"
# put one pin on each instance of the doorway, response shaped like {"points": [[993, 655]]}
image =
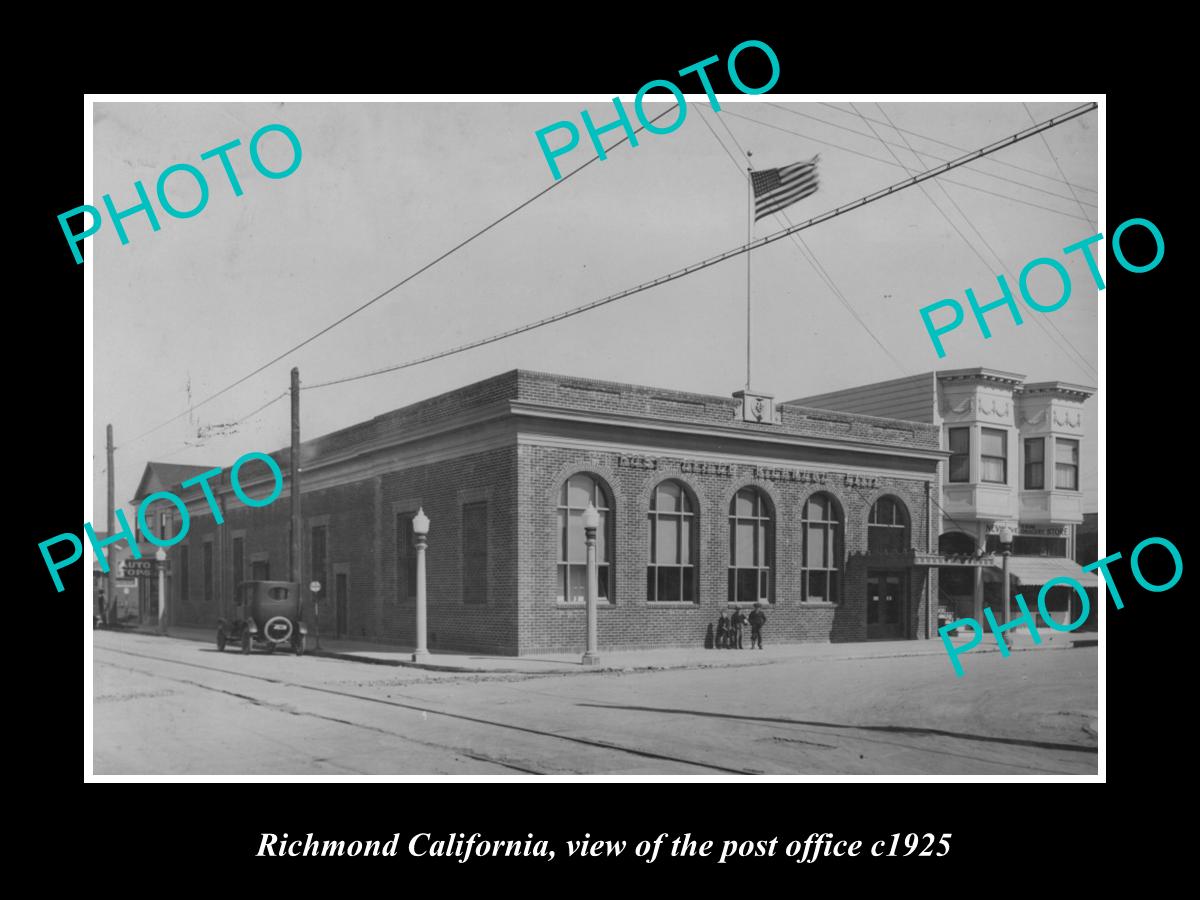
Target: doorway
{"points": [[885, 606]]}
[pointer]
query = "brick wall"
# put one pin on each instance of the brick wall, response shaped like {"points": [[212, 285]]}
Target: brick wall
{"points": [[548, 624], [360, 526]]}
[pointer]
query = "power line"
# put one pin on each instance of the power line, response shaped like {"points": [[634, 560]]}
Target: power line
{"points": [[959, 232], [736, 251], [398, 284], [806, 252], [1054, 159], [999, 162], [999, 260], [920, 153], [887, 162]]}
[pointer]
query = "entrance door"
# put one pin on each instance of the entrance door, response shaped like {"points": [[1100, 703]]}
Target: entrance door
{"points": [[885, 606], [341, 589]]}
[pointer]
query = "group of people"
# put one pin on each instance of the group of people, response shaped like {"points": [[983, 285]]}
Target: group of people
{"points": [[730, 628]]}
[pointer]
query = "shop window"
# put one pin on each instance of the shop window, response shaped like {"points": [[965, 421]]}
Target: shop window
{"points": [[887, 527], [821, 526], [671, 575], [750, 547], [573, 499]]}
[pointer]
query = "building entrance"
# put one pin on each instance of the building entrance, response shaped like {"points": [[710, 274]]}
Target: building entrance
{"points": [[885, 606]]}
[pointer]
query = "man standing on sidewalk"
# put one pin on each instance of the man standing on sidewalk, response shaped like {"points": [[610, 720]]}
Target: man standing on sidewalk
{"points": [[100, 602], [736, 621], [758, 619]]}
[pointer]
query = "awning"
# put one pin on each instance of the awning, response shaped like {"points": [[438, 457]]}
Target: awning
{"points": [[1037, 570]]}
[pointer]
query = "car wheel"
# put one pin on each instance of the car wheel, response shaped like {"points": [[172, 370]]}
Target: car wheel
{"points": [[246, 641], [221, 639]]}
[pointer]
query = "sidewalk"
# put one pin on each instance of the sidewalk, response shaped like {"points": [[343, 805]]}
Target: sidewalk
{"points": [[653, 659]]}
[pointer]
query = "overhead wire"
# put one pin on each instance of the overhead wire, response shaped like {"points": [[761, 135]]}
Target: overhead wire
{"points": [[806, 252], [750, 246], [997, 160], [926, 153], [971, 246], [1087, 366], [398, 284], [1054, 159], [888, 162]]}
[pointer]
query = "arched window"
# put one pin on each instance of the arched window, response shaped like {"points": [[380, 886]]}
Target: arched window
{"points": [[577, 492], [750, 545], [887, 527], [671, 575], [822, 551]]}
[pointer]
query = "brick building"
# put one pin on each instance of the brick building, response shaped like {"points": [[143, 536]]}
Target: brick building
{"points": [[827, 518]]}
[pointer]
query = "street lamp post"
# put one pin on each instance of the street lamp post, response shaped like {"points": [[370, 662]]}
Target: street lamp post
{"points": [[160, 557], [315, 588], [1006, 537], [420, 525], [591, 521]]}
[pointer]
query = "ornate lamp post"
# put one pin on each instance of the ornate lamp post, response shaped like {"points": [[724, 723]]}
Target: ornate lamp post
{"points": [[591, 521], [160, 558], [1006, 538], [421, 539]]}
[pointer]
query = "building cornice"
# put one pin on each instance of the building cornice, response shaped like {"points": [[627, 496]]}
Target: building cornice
{"points": [[724, 432], [1062, 389], [980, 375]]}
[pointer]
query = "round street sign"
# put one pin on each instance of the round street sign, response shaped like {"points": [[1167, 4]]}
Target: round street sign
{"points": [[315, 587]]}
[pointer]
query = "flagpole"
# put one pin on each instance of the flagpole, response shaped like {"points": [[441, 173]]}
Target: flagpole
{"points": [[749, 237]]}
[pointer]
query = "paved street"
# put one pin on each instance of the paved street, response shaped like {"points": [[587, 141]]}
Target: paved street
{"points": [[167, 706]]}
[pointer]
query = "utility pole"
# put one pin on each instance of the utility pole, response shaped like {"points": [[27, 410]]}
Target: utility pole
{"points": [[108, 579], [296, 542]]}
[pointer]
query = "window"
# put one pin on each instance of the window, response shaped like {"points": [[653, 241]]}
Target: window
{"points": [[239, 561], [576, 493], [208, 574], [406, 558], [822, 549], [1035, 464], [960, 454], [318, 556], [1066, 464], [260, 570], [183, 574], [750, 540], [993, 456], [887, 527], [671, 575], [475, 552]]}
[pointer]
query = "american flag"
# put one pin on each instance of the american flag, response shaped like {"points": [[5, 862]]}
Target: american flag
{"points": [[775, 189]]}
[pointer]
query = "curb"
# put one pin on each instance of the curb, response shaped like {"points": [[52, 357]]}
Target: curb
{"points": [[584, 670]]}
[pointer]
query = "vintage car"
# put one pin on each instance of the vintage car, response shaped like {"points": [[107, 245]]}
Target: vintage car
{"points": [[266, 614]]}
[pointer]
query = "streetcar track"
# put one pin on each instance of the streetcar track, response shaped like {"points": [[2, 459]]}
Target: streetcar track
{"points": [[588, 742], [836, 731]]}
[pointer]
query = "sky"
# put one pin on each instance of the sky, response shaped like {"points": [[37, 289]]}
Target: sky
{"points": [[384, 188]]}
